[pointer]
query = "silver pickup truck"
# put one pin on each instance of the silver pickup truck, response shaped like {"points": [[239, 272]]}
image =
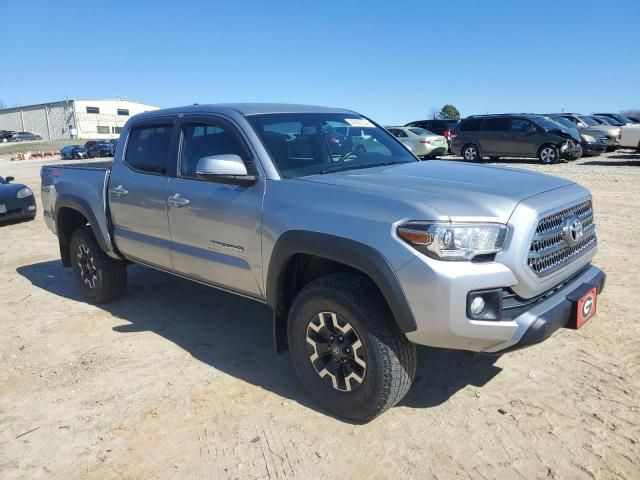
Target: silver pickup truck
{"points": [[360, 249]]}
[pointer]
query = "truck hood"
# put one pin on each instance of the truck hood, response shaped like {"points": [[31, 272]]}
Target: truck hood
{"points": [[458, 190]]}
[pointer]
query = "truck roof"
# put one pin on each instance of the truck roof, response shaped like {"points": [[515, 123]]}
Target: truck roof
{"points": [[244, 109]]}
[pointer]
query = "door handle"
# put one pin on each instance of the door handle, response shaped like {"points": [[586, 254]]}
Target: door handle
{"points": [[120, 191], [178, 200]]}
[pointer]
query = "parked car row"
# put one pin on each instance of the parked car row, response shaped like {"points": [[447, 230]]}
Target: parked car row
{"points": [[11, 136], [548, 137], [91, 149]]}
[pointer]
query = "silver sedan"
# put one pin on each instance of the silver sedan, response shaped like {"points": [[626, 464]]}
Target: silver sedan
{"points": [[421, 142]]}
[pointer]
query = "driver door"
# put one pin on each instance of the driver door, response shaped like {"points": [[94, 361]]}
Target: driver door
{"points": [[215, 227]]}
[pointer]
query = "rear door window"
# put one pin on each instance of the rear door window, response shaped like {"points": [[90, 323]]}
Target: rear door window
{"points": [[472, 125], [496, 124], [148, 149]]}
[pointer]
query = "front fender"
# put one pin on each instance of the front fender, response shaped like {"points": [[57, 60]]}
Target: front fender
{"points": [[348, 252]]}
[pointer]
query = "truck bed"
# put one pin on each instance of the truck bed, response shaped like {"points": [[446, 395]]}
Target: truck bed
{"points": [[83, 185], [102, 165]]}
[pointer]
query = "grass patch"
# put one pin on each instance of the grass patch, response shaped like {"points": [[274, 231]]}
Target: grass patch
{"points": [[37, 146]]}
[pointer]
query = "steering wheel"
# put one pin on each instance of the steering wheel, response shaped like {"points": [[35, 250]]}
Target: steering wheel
{"points": [[357, 151]]}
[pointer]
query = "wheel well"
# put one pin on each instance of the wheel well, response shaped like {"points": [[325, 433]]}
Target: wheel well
{"points": [[300, 270], [470, 144], [548, 144], [68, 220]]}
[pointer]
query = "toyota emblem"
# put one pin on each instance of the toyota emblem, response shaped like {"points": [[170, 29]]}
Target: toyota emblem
{"points": [[573, 231]]}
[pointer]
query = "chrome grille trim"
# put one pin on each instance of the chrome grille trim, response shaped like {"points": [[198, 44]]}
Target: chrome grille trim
{"points": [[549, 250]]}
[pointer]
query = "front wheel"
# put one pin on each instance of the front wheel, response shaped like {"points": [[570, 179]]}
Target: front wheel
{"points": [[346, 348], [548, 154], [100, 277]]}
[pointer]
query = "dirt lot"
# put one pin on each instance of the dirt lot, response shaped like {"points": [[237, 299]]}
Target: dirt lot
{"points": [[176, 380]]}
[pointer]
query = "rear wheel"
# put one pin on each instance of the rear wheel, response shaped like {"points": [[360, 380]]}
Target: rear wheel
{"points": [[346, 348], [471, 153], [100, 277], [548, 154]]}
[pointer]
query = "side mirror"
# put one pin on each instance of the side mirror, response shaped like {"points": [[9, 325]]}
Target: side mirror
{"points": [[9, 179], [226, 168]]}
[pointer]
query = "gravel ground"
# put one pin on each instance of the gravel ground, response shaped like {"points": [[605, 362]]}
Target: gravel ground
{"points": [[177, 380]]}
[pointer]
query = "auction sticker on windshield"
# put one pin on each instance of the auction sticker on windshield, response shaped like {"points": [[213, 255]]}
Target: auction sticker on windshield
{"points": [[359, 122]]}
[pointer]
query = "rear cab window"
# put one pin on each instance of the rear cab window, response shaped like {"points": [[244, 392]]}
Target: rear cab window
{"points": [[148, 149]]}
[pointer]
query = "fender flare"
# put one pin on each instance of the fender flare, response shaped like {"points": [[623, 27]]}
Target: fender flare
{"points": [[343, 250], [82, 206]]}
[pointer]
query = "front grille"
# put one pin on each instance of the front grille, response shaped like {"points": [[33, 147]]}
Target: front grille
{"points": [[552, 247], [602, 140]]}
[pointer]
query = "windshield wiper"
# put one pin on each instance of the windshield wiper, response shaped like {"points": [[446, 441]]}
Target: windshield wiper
{"points": [[359, 167]]}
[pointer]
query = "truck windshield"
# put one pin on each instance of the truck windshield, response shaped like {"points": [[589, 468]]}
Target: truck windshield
{"points": [[302, 144]]}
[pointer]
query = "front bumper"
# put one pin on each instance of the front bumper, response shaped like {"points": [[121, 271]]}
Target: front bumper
{"points": [[558, 313], [593, 148], [437, 296], [437, 150], [571, 151], [18, 210]]}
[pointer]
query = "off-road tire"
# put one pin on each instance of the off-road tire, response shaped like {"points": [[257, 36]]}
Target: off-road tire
{"points": [[109, 278], [390, 357]]}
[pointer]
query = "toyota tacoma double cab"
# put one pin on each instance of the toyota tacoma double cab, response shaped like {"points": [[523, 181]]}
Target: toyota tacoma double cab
{"points": [[361, 253]]}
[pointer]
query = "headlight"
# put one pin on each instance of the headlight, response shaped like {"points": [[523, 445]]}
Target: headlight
{"points": [[587, 138], [454, 241], [24, 192]]}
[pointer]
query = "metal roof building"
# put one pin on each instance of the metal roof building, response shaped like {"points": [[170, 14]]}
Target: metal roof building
{"points": [[73, 118]]}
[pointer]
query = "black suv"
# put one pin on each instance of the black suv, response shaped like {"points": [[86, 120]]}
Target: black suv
{"points": [[514, 135]]}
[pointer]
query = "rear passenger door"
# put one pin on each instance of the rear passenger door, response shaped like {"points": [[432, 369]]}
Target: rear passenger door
{"points": [[215, 227], [494, 139], [138, 193]]}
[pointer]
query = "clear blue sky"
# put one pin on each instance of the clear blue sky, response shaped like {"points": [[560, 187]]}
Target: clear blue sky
{"points": [[392, 60]]}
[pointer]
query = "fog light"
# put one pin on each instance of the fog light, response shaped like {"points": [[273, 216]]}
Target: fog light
{"points": [[31, 207], [477, 305]]}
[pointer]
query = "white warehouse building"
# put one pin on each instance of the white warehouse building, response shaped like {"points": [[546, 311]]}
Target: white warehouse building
{"points": [[73, 118]]}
